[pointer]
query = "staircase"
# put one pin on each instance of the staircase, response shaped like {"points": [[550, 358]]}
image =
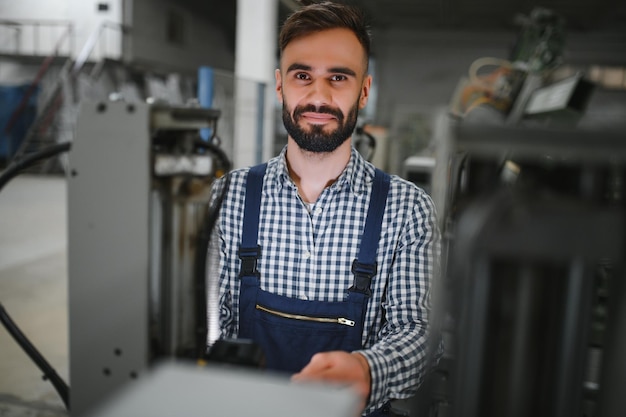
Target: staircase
{"points": [[58, 109]]}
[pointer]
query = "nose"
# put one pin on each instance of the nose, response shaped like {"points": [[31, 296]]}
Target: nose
{"points": [[320, 93]]}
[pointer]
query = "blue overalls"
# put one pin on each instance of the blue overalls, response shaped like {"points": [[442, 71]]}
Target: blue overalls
{"points": [[289, 330]]}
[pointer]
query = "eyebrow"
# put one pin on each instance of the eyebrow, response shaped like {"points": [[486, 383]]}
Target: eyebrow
{"points": [[299, 67], [333, 70], [342, 70]]}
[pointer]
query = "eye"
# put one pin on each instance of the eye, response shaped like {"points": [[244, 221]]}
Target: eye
{"points": [[302, 76], [338, 77]]}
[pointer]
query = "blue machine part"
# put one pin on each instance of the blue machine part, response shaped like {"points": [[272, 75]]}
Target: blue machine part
{"points": [[10, 99], [205, 95]]}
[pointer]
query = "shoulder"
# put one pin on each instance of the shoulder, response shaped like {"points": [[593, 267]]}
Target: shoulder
{"points": [[234, 178], [406, 194], [399, 184]]}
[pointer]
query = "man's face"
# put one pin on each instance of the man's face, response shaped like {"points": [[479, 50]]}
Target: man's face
{"points": [[322, 84]]}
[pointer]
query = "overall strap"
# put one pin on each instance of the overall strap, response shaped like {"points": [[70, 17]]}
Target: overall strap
{"points": [[249, 250], [364, 267]]}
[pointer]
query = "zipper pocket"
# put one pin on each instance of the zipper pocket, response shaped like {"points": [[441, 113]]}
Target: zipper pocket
{"points": [[339, 320]]}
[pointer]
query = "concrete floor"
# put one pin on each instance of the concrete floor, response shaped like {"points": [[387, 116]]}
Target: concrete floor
{"points": [[33, 291]]}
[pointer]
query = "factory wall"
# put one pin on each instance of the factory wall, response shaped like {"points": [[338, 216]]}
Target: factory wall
{"points": [[173, 37]]}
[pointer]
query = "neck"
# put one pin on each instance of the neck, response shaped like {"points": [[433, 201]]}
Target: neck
{"points": [[313, 172]]}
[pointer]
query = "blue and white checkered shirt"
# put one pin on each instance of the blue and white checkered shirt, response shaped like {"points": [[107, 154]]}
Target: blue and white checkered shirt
{"points": [[307, 253]]}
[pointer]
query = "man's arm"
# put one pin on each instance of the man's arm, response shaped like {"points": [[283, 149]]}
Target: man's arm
{"points": [[400, 357]]}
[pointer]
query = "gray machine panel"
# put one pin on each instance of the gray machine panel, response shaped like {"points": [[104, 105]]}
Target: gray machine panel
{"points": [[108, 246], [179, 389]]}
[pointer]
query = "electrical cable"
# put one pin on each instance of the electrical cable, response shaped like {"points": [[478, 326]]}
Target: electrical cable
{"points": [[31, 159], [371, 142], [486, 61], [226, 165], [48, 371], [202, 244]]}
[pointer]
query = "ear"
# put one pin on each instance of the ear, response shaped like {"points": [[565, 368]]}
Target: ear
{"points": [[279, 85], [365, 91]]}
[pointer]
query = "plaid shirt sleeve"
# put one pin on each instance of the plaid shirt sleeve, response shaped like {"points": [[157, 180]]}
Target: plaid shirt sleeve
{"points": [[398, 356]]}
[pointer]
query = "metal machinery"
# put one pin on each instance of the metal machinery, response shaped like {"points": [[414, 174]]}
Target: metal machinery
{"points": [[138, 192], [534, 292], [525, 88], [532, 209]]}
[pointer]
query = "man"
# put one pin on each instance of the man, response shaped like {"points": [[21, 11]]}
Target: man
{"points": [[326, 262]]}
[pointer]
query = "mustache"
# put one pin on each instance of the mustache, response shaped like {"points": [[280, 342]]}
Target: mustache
{"points": [[315, 109]]}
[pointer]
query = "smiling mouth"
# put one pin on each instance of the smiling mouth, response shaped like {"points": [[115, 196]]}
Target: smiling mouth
{"points": [[317, 118]]}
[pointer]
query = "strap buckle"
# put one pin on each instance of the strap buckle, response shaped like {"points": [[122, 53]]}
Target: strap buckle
{"points": [[249, 257], [363, 274]]}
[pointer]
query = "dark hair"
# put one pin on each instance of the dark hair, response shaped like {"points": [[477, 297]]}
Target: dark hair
{"points": [[325, 15]]}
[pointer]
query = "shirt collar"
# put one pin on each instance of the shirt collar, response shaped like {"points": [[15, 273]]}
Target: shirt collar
{"points": [[357, 175]]}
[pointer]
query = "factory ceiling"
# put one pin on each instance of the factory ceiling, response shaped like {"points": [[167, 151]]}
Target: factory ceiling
{"points": [[580, 15], [586, 16]]}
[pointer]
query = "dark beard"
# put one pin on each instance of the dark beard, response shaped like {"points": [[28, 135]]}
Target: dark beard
{"points": [[316, 140]]}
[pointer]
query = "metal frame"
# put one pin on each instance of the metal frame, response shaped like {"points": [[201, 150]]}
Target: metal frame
{"points": [[522, 247]]}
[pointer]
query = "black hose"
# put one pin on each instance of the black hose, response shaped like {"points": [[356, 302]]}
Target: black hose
{"points": [[31, 159], [49, 372], [371, 142], [226, 165]]}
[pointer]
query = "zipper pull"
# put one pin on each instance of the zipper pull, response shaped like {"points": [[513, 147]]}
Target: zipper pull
{"points": [[347, 322]]}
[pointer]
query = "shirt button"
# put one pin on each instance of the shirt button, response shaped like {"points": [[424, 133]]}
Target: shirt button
{"points": [[318, 210], [307, 254], [303, 297]]}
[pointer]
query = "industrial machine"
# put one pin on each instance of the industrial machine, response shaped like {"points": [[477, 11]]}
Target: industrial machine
{"points": [[532, 213], [524, 89], [533, 290], [139, 220], [138, 193]]}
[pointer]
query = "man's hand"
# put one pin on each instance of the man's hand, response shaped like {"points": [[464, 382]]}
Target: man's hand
{"points": [[339, 367]]}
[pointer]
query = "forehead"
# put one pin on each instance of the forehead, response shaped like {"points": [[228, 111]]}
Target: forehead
{"points": [[326, 49]]}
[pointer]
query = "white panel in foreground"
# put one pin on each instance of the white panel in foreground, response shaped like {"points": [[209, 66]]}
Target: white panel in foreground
{"points": [[176, 389]]}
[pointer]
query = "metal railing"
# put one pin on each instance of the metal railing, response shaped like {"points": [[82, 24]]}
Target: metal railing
{"points": [[36, 37], [97, 42]]}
